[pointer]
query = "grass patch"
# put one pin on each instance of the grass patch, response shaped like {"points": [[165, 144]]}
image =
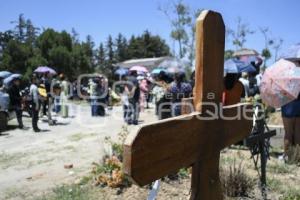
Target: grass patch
{"points": [[280, 168], [274, 184], [291, 194], [69, 192]]}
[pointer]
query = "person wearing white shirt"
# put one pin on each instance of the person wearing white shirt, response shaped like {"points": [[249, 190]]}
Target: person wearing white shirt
{"points": [[34, 103], [244, 80]]}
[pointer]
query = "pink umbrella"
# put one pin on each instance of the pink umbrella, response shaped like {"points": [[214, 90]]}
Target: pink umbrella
{"points": [[139, 69], [280, 83]]}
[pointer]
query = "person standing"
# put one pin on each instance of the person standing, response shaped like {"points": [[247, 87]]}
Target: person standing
{"points": [[244, 80], [16, 100], [179, 89], [291, 121], [64, 97], [134, 97], [159, 91], [233, 90], [34, 94], [102, 94], [143, 92], [93, 96]]}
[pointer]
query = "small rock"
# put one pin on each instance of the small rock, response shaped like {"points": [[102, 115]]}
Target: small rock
{"points": [[68, 166]]}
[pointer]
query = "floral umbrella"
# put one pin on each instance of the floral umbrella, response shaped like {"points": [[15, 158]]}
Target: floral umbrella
{"points": [[45, 69], [280, 83]]}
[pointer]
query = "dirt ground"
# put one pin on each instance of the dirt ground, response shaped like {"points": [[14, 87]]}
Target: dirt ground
{"points": [[32, 164]]}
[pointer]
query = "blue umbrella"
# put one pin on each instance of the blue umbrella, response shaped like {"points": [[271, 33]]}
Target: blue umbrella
{"points": [[235, 66], [9, 79], [292, 53], [5, 74], [121, 71], [157, 70]]}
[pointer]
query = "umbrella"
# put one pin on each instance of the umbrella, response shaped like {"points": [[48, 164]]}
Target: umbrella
{"points": [[173, 65], [139, 69], [173, 70], [5, 74], [172, 62], [45, 69], [9, 79], [157, 70], [280, 83], [257, 60], [235, 66], [245, 52], [121, 71], [292, 53]]}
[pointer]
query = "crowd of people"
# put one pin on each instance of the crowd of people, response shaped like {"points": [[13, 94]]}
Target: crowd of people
{"points": [[46, 93], [49, 93]]}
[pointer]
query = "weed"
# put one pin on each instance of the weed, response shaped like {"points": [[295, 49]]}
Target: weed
{"points": [[291, 194], [235, 182]]}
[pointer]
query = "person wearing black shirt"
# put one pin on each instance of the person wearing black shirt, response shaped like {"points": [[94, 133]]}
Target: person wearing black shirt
{"points": [[16, 100]]}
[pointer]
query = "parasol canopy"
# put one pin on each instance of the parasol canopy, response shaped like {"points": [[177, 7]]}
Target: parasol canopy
{"points": [[257, 60], [9, 79], [139, 69], [5, 74], [235, 66], [121, 71], [157, 70], [280, 83], [45, 69], [245, 52]]}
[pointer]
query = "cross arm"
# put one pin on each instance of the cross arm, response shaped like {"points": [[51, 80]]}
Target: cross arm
{"points": [[162, 148]]}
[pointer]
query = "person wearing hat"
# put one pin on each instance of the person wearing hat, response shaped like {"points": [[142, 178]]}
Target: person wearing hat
{"points": [[34, 94], [16, 100]]}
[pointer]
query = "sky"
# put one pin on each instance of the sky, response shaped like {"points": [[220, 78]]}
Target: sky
{"points": [[99, 18]]}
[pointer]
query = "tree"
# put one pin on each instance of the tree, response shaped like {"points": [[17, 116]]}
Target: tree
{"points": [[239, 36], [101, 56], [266, 52], [179, 17], [277, 46], [60, 59], [15, 56], [121, 48], [228, 54], [147, 46], [109, 65], [191, 41], [31, 33], [20, 28], [75, 36]]}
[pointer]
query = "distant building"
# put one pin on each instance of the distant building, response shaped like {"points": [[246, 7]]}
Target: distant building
{"points": [[149, 63]]}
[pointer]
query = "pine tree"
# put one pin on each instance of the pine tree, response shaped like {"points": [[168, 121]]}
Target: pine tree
{"points": [[121, 53]]}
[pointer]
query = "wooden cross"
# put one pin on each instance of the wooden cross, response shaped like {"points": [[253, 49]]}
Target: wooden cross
{"points": [[162, 148]]}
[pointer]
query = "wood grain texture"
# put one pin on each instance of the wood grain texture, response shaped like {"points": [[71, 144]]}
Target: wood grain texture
{"points": [[210, 42], [161, 148]]}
